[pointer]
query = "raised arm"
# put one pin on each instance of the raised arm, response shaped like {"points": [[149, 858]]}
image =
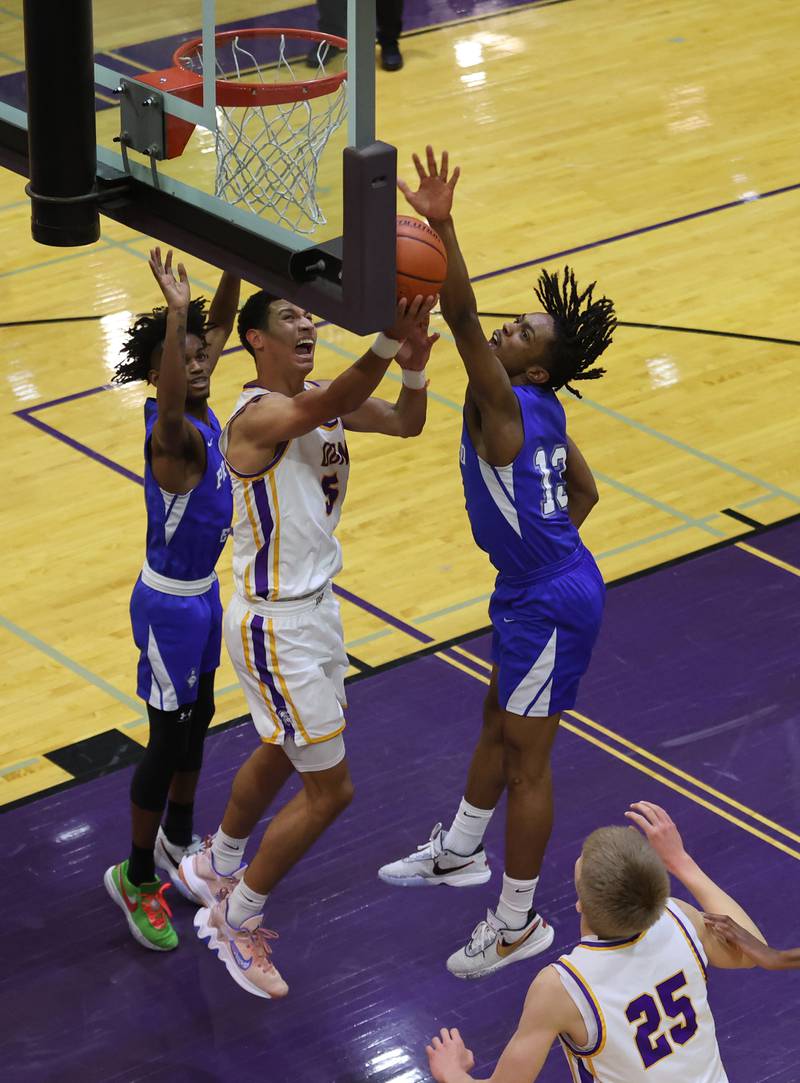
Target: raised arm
{"points": [[664, 837], [276, 418], [172, 432], [548, 1012], [489, 383], [582, 492], [406, 416], [222, 316]]}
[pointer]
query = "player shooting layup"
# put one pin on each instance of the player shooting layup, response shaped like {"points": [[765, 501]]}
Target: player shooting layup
{"points": [[286, 451]]}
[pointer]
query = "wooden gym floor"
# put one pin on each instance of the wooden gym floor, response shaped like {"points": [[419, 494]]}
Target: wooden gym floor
{"points": [[654, 150]]}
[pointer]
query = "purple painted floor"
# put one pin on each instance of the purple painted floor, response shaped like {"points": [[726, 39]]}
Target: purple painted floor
{"points": [[697, 663]]}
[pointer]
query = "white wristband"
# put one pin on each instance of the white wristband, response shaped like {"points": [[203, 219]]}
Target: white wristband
{"points": [[386, 348], [417, 381]]}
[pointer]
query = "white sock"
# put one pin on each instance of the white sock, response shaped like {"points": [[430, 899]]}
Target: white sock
{"points": [[243, 903], [227, 853], [516, 901], [468, 828]]}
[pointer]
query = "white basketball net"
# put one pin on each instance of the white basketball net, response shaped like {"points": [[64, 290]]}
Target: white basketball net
{"points": [[268, 155]]}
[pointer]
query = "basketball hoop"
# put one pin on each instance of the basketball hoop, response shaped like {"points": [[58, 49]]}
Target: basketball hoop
{"points": [[272, 127]]}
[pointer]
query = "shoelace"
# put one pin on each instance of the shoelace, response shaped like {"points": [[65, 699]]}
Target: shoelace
{"points": [[482, 936], [156, 906], [258, 942], [431, 848]]}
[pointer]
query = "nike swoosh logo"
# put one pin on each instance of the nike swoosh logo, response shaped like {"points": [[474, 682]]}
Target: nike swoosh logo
{"points": [[241, 962], [504, 950], [455, 868], [132, 906], [508, 620]]}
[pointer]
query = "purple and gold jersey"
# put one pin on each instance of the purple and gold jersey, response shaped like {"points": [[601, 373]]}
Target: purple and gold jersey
{"points": [[645, 1005], [186, 533], [518, 513]]}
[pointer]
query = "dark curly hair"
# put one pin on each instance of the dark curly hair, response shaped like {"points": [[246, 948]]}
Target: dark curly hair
{"points": [[147, 334], [583, 328]]}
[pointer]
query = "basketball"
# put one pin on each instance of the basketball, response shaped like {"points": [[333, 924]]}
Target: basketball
{"points": [[421, 258]]}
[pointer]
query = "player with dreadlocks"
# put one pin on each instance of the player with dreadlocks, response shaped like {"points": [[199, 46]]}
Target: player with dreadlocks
{"points": [[175, 607], [528, 490]]}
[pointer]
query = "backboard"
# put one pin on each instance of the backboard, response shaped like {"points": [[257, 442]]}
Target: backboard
{"points": [[234, 130]]}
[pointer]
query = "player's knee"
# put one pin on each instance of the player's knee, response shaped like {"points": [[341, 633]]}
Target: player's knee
{"points": [[522, 770]]}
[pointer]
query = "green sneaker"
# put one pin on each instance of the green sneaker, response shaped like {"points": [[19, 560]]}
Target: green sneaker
{"points": [[145, 908]]}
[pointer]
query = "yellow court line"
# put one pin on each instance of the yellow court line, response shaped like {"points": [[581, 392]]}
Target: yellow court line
{"points": [[473, 658], [685, 775], [701, 785], [768, 557], [647, 771], [464, 669], [126, 60]]}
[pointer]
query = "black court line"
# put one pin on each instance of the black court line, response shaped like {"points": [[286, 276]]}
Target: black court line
{"points": [[668, 327], [51, 319], [365, 667], [746, 519], [75, 753]]}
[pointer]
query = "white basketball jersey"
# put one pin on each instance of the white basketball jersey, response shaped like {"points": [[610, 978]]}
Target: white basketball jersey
{"points": [[285, 516], [645, 1005]]}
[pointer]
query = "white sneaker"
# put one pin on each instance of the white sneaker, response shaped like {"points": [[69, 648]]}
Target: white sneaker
{"points": [[168, 857], [490, 947], [432, 864]]}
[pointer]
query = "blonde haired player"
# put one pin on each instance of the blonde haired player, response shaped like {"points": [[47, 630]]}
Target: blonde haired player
{"points": [[629, 1002], [286, 452]]}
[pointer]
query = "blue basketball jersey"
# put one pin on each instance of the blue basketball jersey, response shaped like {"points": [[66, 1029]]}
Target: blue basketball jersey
{"points": [[186, 533], [518, 513]]}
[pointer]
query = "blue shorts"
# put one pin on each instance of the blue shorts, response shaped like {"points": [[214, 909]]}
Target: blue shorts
{"points": [[179, 640], [545, 627]]}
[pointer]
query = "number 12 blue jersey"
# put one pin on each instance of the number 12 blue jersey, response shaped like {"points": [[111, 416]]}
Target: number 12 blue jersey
{"points": [[518, 513]]}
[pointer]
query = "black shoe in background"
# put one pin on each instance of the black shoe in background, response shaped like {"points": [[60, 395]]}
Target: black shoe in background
{"points": [[391, 57]]}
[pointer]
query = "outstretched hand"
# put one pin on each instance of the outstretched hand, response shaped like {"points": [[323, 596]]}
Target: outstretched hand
{"points": [[732, 934], [448, 1054], [416, 349], [176, 292], [408, 314], [434, 197]]}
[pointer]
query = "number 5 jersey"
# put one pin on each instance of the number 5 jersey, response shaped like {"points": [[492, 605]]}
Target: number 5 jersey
{"points": [[285, 515]]}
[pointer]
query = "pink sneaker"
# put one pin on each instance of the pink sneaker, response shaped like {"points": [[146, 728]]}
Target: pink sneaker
{"points": [[204, 885], [245, 951]]}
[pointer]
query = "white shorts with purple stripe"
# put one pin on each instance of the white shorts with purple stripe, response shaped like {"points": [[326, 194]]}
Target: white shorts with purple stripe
{"points": [[291, 663]]}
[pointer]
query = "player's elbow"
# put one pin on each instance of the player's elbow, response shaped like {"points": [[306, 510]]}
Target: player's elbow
{"points": [[412, 427]]}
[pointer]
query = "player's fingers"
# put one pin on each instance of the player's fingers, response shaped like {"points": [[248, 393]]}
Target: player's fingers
{"points": [[182, 275], [445, 1033], [419, 167], [637, 819], [643, 809], [445, 165], [453, 180], [401, 184], [432, 170], [436, 1041], [429, 1050], [168, 262]]}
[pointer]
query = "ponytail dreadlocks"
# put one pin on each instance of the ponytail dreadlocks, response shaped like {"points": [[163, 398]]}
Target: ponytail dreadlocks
{"points": [[581, 334], [147, 334]]}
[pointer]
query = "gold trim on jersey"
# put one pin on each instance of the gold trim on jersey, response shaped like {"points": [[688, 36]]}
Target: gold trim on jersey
{"points": [[689, 941], [587, 989], [276, 538], [256, 539], [273, 463], [264, 694], [612, 945]]}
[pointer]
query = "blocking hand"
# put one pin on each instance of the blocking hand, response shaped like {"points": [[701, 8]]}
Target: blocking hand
{"points": [[434, 197]]}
